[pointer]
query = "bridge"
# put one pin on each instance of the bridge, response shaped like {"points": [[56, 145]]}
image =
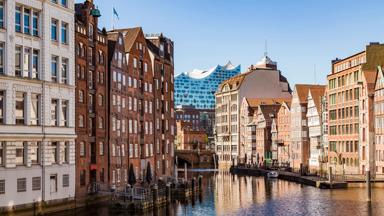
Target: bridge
{"points": [[196, 158]]}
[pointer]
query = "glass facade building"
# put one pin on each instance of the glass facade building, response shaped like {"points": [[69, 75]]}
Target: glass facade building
{"points": [[198, 87]]}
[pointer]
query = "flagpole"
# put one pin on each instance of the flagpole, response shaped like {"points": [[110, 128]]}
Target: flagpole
{"points": [[112, 18]]}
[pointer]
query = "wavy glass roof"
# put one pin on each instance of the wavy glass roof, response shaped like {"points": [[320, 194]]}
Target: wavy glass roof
{"points": [[197, 87]]}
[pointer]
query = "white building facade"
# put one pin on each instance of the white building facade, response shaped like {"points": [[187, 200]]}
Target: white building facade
{"points": [[37, 101], [314, 126]]}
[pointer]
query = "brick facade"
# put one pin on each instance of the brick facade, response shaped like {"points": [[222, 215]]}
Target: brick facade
{"points": [[91, 96]]}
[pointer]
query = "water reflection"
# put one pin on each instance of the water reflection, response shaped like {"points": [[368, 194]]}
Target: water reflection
{"points": [[226, 194]]}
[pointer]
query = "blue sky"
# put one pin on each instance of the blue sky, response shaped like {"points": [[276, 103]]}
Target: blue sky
{"points": [[300, 33]]}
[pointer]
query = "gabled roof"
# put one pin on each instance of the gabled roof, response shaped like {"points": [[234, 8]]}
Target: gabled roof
{"points": [[317, 94], [255, 102], [238, 79], [130, 35], [303, 90]]}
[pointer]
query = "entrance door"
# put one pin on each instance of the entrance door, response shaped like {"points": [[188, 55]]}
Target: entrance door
{"points": [[53, 183]]}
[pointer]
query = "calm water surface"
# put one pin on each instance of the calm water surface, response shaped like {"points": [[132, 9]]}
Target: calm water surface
{"points": [[226, 194]]}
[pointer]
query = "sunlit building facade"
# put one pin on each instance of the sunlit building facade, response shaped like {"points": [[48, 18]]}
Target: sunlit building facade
{"points": [[261, 81], [37, 105]]}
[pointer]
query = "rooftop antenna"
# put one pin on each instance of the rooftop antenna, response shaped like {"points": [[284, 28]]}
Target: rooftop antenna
{"points": [[314, 74], [265, 48]]}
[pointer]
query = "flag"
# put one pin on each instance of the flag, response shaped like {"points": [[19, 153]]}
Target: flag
{"points": [[115, 13]]}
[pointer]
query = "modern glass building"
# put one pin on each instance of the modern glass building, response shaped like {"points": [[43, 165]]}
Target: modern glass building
{"points": [[197, 88]]}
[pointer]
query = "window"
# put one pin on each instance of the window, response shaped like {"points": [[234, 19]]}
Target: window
{"points": [[36, 183], [90, 31], [63, 3], [101, 101], [65, 180], [54, 63], [34, 152], [81, 121], [82, 148], [64, 70], [26, 60], [101, 123], [20, 98], [2, 94], [54, 29], [1, 54], [18, 61], [21, 184], [64, 113], [54, 150], [2, 150], [101, 148], [81, 96], [34, 108], [1, 14], [54, 103], [19, 146], [35, 64], [64, 33], [2, 186], [35, 24], [18, 19], [27, 23]]}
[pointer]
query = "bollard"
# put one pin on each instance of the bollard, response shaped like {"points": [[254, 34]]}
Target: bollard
{"points": [[185, 172], [200, 182], [330, 176], [368, 182], [155, 192], [193, 184], [168, 192], [301, 169]]}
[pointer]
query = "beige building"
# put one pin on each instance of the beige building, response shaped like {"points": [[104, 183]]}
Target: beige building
{"points": [[299, 126], [350, 102], [283, 127], [263, 80]]}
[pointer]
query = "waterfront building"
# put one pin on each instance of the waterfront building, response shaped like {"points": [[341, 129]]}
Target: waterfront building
{"points": [[161, 52], [201, 119], [117, 104], [140, 102], [323, 159], [299, 126], [37, 155], [248, 125], [379, 121], [91, 93], [350, 90], [197, 88], [314, 115], [284, 133], [265, 115], [189, 138], [262, 81]]}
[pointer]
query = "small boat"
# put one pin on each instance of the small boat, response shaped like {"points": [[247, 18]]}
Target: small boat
{"points": [[272, 174]]}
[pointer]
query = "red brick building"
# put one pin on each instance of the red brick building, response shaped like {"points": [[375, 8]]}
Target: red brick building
{"points": [[161, 52], [140, 102], [188, 138], [118, 110], [91, 97]]}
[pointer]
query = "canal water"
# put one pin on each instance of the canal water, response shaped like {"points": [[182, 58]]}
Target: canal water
{"points": [[226, 194]]}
